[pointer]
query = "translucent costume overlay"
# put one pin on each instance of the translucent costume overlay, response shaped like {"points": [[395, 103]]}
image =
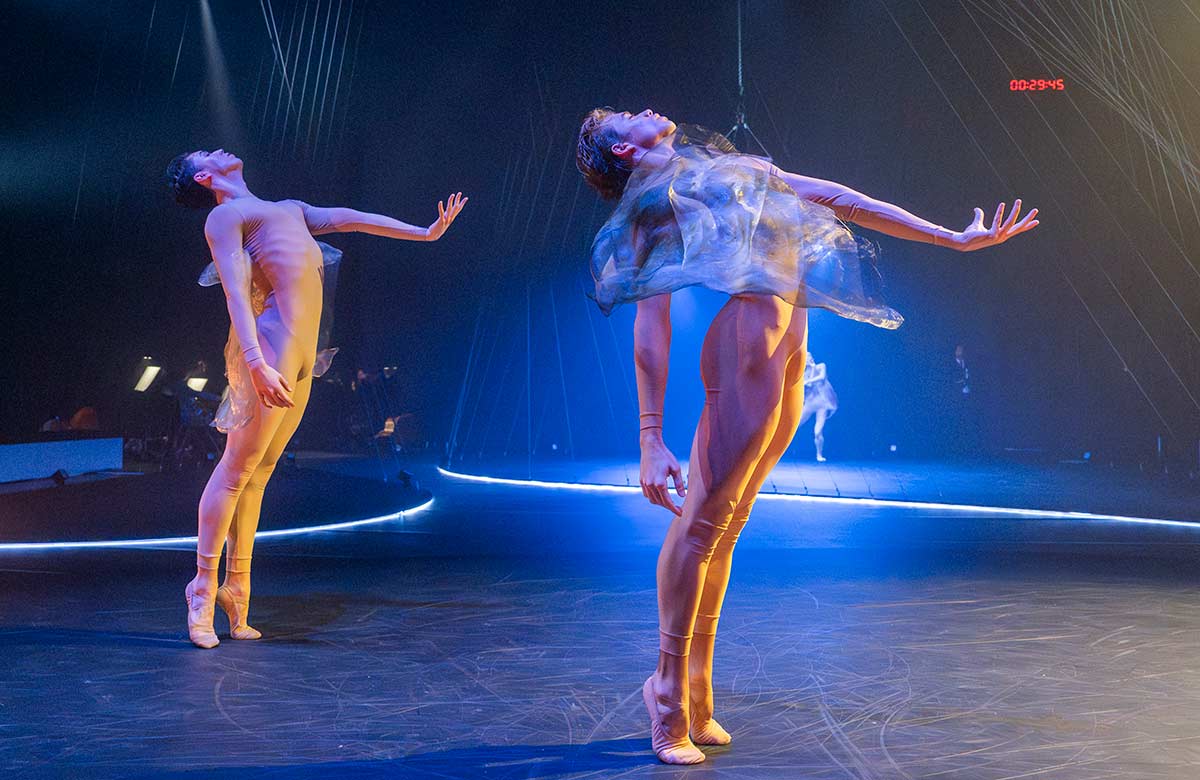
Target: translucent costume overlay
{"points": [[237, 407], [715, 217]]}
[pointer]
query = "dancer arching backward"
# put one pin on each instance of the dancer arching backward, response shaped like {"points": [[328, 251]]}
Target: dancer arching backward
{"points": [[820, 401], [268, 247], [693, 210]]}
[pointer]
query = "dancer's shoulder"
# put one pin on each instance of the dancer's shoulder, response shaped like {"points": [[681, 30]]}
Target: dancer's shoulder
{"points": [[222, 217]]}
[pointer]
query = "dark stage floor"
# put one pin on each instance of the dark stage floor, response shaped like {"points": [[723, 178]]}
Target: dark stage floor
{"points": [[505, 632]]}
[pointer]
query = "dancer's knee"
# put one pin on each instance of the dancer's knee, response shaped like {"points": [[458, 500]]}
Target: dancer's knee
{"points": [[704, 531], [261, 475], [741, 514], [234, 476]]}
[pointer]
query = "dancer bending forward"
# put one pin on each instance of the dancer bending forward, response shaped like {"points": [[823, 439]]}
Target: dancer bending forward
{"points": [[694, 211], [263, 247]]}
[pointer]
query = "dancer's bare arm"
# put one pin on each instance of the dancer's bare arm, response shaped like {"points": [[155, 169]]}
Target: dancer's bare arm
{"points": [[651, 355], [853, 206], [223, 229], [336, 219]]}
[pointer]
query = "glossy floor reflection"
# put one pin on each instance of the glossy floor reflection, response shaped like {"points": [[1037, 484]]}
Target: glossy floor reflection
{"points": [[505, 634]]}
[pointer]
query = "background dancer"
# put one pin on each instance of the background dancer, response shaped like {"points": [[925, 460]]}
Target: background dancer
{"points": [[820, 401]]}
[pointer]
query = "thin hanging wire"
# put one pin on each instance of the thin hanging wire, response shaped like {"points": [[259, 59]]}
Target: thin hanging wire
{"points": [[741, 128]]}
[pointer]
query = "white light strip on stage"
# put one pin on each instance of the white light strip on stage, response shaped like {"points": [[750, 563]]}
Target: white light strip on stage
{"points": [[167, 541], [881, 502]]}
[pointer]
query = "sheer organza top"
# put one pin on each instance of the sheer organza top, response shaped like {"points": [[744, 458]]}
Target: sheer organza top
{"points": [[722, 219]]}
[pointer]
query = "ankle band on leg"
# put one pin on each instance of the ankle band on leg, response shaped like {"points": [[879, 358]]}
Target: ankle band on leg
{"points": [[706, 625], [674, 644], [237, 565], [207, 562]]}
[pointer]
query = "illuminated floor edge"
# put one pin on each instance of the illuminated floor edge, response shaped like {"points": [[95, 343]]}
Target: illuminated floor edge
{"points": [[881, 502], [174, 540]]}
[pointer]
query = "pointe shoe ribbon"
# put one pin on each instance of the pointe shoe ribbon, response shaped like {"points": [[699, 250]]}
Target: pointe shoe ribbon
{"points": [[200, 620], [237, 610]]}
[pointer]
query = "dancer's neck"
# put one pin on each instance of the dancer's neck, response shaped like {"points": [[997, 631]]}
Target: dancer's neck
{"points": [[230, 186], [658, 155]]}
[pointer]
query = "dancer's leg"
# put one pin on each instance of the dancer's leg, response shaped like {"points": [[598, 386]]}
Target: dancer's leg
{"points": [[704, 729], [743, 363], [234, 594], [244, 450], [819, 433]]}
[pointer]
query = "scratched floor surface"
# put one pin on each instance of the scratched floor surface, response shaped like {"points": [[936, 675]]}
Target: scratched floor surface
{"points": [[505, 633]]}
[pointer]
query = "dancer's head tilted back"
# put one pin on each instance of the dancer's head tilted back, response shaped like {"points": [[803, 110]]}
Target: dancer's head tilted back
{"points": [[192, 176], [612, 143]]}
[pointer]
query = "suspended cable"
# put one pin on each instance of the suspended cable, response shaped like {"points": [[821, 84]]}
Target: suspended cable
{"points": [[740, 126]]}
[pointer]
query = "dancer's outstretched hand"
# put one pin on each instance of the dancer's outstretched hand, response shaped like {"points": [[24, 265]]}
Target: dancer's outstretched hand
{"points": [[976, 236], [446, 213], [270, 386], [658, 464]]}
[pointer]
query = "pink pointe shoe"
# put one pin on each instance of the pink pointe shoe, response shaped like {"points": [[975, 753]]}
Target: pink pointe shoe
{"points": [[237, 610], [200, 620], [669, 749], [704, 729]]}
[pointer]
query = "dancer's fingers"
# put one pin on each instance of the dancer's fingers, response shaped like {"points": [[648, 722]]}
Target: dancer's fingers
{"points": [[999, 218], [655, 495], [677, 476], [1012, 218], [441, 210], [664, 498]]}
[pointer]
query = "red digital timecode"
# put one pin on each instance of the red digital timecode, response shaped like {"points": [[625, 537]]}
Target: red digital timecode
{"points": [[1026, 85]]}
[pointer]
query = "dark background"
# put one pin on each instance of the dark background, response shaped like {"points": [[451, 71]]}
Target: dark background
{"points": [[1081, 335]]}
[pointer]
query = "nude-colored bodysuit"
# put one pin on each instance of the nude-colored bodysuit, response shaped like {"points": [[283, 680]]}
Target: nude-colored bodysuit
{"points": [[286, 267], [776, 243], [287, 263]]}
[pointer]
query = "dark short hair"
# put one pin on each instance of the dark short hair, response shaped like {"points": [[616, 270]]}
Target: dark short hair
{"points": [[186, 189], [604, 172]]}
